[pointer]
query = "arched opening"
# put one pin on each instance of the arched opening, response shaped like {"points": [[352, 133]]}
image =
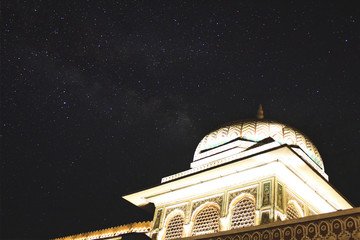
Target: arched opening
{"points": [[293, 210], [243, 213], [175, 226], [207, 220]]}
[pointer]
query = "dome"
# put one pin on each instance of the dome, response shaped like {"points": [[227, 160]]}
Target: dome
{"points": [[256, 130]]}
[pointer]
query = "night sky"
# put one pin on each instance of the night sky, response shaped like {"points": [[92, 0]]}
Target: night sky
{"points": [[104, 98]]}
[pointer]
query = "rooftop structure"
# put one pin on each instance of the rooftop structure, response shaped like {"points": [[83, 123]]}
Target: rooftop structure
{"points": [[254, 176]]}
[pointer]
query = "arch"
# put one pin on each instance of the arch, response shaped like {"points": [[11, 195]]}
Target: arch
{"points": [[206, 219], [293, 210], [242, 211], [174, 225]]}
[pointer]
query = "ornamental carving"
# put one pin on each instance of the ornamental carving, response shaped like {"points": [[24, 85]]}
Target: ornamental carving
{"points": [[290, 196], [233, 195], [157, 219], [183, 208], [280, 197], [266, 194], [219, 200]]}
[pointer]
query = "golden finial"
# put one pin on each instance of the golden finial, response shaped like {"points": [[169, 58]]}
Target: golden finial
{"points": [[260, 113]]}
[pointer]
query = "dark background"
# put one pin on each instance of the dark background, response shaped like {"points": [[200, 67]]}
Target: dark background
{"points": [[103, 98]]}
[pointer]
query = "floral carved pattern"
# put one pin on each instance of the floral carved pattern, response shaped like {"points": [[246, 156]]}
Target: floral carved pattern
{"points": [[219, 200], [183, 208], [233, 195]]}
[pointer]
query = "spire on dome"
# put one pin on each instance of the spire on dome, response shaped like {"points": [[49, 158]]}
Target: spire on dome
{"points": [[260, 113]]}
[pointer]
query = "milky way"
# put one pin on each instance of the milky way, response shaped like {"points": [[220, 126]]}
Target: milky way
{"points": [[103, 98]]}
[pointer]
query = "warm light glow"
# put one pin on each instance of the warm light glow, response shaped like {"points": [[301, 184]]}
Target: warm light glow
{"points": [[280, 162], [137, 227], [205, 164]]}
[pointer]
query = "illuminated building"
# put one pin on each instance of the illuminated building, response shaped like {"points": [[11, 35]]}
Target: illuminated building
{"points": [[252, 179]]}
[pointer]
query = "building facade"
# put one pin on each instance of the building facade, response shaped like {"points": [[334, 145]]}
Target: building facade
{"points": [[251, 179]]}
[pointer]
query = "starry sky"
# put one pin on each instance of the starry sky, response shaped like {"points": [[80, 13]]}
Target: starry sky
{"points": [[104, 98]]}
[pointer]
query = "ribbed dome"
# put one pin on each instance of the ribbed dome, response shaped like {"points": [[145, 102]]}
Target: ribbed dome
{"points": [[257, 130]]}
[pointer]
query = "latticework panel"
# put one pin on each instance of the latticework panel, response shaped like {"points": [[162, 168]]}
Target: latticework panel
{"points": [[243, 214], [206, 221], [175, 228], [291, 212]]}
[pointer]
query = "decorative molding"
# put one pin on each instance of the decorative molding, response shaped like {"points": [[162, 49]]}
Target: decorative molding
{"points": [[182, 207], [233, 195], [218, 199], [221, 161]]}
